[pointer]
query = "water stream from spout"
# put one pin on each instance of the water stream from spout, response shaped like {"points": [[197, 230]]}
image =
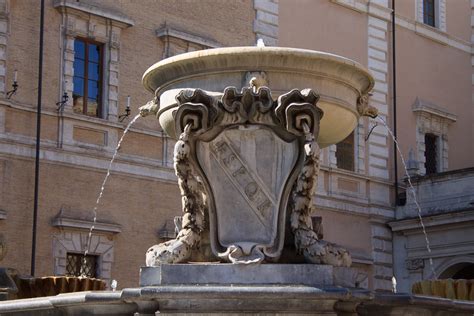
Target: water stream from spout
{"points": [[101, 193], [412, 190]]}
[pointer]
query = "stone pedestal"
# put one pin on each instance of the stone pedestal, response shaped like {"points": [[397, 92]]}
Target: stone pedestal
{"points": [[263, 274]]}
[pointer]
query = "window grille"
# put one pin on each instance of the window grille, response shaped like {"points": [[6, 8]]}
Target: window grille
{"points": [[431, 153], [77, 266], [345, 153], [429, 12], [87, 79]]}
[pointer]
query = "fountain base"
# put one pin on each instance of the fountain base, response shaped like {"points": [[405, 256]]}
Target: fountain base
{"points": [[239, 274]]}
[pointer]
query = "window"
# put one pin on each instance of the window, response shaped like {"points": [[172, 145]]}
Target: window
{"points": [[429, 12], [432, 13], [432, 125], [345, 153], [431, 153], [87, 78], [77, 266]]}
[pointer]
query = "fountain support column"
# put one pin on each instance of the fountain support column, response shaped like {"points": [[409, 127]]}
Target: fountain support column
{"points": [[219, 135]]}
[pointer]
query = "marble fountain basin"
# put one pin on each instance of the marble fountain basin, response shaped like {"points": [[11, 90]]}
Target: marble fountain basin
{"points": [[339, 81]]}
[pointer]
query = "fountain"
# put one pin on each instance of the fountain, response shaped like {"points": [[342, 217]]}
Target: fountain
{"points": [[249, 123]]}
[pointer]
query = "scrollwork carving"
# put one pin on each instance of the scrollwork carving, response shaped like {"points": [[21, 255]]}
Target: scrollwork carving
{"points": [[297, 106], [246, 106], [415, 264], [179, 249], [197, 108], [306, 239]]}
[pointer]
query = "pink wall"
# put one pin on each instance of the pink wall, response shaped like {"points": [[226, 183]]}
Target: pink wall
{"points": [[324, 26], [441, 75]]}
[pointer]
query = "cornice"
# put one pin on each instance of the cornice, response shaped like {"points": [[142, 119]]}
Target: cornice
{"points": [[423, 106], [79, 7], [186, 36], [65, 222], [451, 218]]}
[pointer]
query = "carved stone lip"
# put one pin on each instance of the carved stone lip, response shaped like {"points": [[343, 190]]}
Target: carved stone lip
{"points": [[340, 82], [251, 58]]}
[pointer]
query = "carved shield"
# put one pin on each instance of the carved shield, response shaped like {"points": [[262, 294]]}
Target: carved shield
{"points": [[247, 169]]}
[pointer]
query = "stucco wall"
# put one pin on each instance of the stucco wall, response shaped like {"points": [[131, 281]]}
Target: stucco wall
{"points": [[322, 25], [439, 74]]}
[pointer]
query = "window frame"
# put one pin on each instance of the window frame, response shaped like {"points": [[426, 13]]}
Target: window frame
{"points": [[100, 100]]}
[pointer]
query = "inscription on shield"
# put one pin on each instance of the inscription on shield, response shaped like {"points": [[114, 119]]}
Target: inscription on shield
{"points": [[243, 179], [247, 169]]}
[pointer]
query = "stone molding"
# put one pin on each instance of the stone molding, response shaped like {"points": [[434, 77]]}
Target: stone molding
{"points": [[433, 109], [433, 119], [166, 31], [140, 168], [177, 42], [80, 119], [73, 223], [120, 19], [384, 13], [265, 24], [101, 25], [412, 225]]}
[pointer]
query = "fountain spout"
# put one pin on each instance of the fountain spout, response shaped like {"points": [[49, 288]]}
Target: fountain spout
{"points": [[151, 107], [364, 108]]}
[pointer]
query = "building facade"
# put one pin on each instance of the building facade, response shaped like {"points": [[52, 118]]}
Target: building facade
{"points": [[95, 52], [419, 52]]}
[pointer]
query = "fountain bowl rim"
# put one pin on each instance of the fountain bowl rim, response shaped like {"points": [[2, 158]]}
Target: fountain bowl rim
{"points": [[153, 77]]}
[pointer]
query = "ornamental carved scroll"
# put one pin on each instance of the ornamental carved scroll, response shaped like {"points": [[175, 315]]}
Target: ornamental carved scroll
{"points": [[245, 159]]}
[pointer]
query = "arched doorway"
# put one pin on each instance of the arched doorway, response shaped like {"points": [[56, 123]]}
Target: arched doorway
{"points": [[462, 270]]}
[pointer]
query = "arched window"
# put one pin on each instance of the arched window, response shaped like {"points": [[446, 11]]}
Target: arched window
{"points": [[463, 270]]}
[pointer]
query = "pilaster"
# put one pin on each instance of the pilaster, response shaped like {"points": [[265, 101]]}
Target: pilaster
{"points": [[378, 142], [378, 65]]}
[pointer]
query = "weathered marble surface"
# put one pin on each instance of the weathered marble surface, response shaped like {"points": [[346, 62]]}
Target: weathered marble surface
{"points": [[247, 168], [227, 274]]}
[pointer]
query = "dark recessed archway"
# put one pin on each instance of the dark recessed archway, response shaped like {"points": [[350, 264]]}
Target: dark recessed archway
{"points": [[463, 270]]}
